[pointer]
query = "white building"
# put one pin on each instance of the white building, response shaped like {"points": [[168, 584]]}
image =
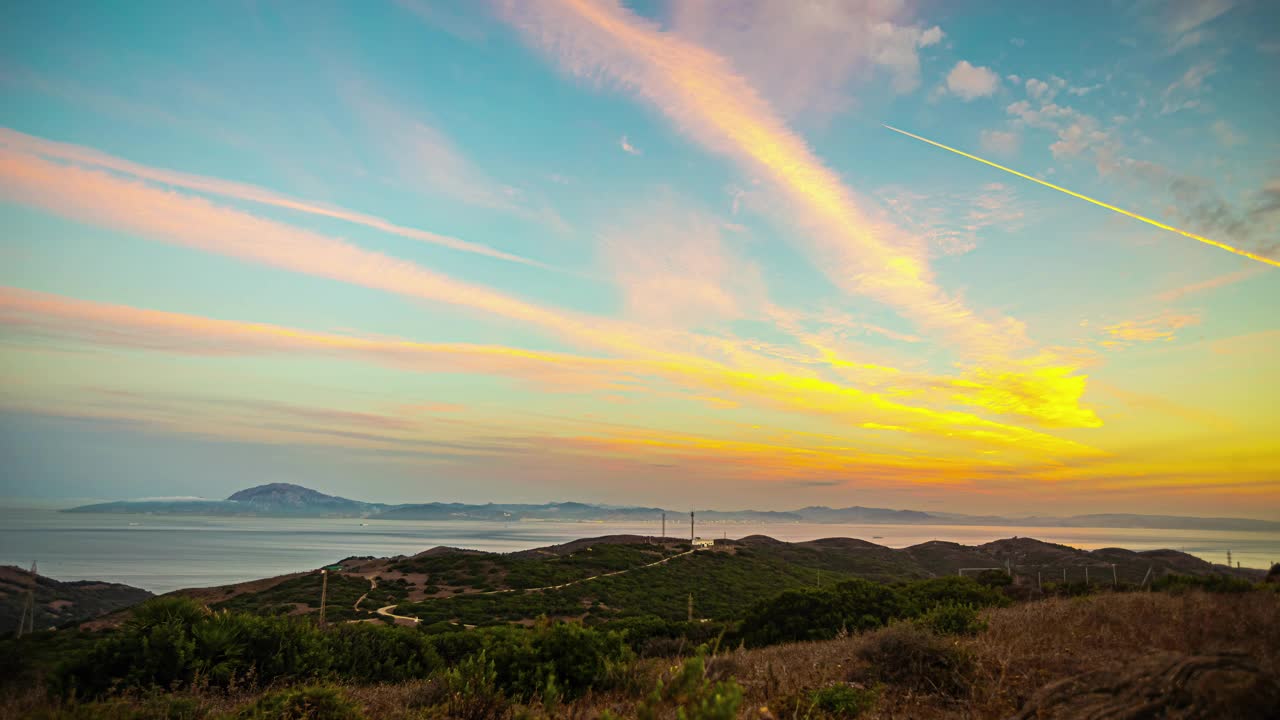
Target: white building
{"points": [[699, 543]]}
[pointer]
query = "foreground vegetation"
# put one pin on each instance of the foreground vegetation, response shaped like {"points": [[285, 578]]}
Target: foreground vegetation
{"points": [[943, 647]]}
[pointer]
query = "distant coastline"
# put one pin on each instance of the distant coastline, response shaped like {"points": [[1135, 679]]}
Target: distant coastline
{"points": [[287, 500]]}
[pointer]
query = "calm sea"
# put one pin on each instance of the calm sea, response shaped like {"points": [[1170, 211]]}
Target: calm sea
{"points": [[167, 553]]}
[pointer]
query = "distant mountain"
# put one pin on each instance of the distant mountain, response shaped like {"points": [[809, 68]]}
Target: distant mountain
{"points": [[288, 500], [59, 603]]}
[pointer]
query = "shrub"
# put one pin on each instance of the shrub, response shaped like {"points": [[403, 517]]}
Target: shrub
{"points": [[952, 619], [1208, 583], [315, 702], [842, 700], [910, 656], [174, 643], [693, 695], [924, 595], [798, 615], [472, 688]]}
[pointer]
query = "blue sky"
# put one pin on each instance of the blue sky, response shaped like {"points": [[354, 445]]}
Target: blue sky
{"points": [[642, 252]]}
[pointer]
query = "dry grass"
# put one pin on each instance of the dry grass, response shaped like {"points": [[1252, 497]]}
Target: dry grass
{"points": [[1023, 648]]}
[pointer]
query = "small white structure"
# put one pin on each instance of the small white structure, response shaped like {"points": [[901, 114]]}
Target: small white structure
{"points": [[700, 543]]}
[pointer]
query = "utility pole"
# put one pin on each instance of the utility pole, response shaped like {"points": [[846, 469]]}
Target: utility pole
{"points": [[1086, 575], [1228, 558], [324, 592], [691, 535], [664, 526], [27, 621]]}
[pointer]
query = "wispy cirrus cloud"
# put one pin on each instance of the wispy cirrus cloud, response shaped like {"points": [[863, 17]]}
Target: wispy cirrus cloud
{"points": [[702, 94], [1176, 294], [51, 316], [90, 158], [1162, 327]]}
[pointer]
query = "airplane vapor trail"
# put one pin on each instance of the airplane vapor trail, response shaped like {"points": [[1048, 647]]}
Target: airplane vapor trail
{"points": [[1072, 193]]}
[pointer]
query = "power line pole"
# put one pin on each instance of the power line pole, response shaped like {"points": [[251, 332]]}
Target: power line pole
{"points": [[324, 592], [691, 535], [27, 621], [664, 526]]}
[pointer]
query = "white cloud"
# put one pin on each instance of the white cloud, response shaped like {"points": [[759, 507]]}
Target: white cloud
{"points": [[1017, 42], [969, 82], [627, 147], [1038, 89], [1182, 93], [1226, 134], [805, 55], [1082, 91], [1000, 142]]}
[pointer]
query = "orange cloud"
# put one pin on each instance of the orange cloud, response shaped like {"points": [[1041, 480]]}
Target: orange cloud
{"points": [[1214, 283], [148, 329], [78, 155], [1162, 327], [702, 95]]}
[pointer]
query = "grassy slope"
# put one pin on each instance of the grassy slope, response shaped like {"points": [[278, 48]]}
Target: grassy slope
{"points": [[1023, 648]]}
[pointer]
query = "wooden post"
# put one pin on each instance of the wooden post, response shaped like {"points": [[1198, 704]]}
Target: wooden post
{"points": [[324, 592], [1038, 583], [1086, 575], [1064, 576], [1144, 577], [1114, 581]]}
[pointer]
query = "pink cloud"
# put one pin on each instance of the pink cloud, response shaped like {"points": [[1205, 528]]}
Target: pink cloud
{"points": [[88, 157]]}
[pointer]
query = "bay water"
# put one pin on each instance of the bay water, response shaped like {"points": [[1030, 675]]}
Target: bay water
{"points": [[163, 553]]}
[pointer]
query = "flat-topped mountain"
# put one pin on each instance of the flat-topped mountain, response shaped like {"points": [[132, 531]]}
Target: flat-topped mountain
{"points": [[289, 500]]}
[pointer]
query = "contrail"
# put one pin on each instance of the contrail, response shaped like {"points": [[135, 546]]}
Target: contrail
{"points": [[1122, 211]]}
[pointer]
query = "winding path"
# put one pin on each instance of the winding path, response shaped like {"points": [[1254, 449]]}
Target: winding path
{"points": [[373, 585], [388, 610]]}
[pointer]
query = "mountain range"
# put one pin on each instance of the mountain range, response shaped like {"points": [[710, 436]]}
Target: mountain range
{"points": [[288, 500]]}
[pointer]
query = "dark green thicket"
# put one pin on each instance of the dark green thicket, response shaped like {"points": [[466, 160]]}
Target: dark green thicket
{"points": [[174, 642], [1208, 583]]}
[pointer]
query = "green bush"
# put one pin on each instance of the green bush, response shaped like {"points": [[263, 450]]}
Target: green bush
{"points": [[315, 702], [798, 615], [952, 619], [842, 700], [174, 643], [693, 695], [1207, 583], [925, 595]]}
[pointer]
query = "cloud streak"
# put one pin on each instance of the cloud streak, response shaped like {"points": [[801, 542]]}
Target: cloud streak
{"points": [[1086, 198], [90, 158]]}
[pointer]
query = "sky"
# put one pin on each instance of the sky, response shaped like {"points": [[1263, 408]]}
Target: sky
{"points": [[658, 253]]}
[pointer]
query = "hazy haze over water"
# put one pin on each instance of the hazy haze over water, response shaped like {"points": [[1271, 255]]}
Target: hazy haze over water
{"points": [[163, 553]]}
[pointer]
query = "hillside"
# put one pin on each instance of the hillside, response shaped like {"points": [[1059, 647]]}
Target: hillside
{"points": [[289, 500], [613, 577], [59, 603]]}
